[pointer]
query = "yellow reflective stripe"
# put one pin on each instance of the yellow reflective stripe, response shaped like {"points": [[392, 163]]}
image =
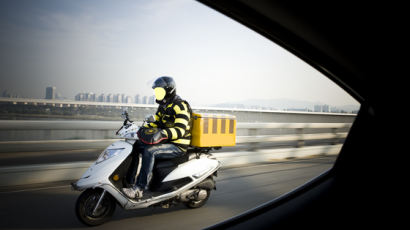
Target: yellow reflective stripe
{"points": [[178, 110], [156, 117], [181, 130], [181, 121], [182, 141], [174, 133]]}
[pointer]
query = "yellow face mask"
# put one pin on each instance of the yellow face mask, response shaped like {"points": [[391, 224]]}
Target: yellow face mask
{"points": [[159, 93]]}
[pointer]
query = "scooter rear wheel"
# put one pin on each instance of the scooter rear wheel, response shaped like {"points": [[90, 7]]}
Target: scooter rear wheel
{"points": [[86, 203]]}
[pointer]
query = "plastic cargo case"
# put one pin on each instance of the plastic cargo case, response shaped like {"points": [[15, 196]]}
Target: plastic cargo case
{"points": [[213, 130]]}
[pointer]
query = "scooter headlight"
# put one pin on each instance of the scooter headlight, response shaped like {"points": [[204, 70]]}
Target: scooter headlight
{"points": [[107, 154]]}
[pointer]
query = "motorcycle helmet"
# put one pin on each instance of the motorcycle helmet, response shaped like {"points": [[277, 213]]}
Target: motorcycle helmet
{"points": [[164, 89]]}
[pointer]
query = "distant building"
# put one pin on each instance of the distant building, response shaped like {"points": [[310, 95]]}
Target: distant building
{"points": [[144, 100], [101, 98], [325, 109], [109, 98], [317, 108], [334, 110], [137, 99], [117, 98], [6, 94], [90, 96], [51, 92], [127, 100], [79, 97], [151, 100], [93, 97], [321, 108]]}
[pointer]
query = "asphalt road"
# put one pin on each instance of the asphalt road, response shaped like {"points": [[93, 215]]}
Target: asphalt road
{"points": [[238, 189]]}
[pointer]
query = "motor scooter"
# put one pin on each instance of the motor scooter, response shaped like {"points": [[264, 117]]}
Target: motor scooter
{"points": [[188, 179]]}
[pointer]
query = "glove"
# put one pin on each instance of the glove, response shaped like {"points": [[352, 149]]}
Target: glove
{"points": [[164, 133], [152, 136]]}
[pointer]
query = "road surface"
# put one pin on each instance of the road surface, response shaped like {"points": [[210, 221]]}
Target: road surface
{"points": [[51, 206]]}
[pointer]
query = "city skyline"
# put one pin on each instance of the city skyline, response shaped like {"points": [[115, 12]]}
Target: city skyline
{"points": [[115, 97], [280, 104]]}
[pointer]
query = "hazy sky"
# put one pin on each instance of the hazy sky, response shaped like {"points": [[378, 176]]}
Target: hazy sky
{"points": [[114, 46]]}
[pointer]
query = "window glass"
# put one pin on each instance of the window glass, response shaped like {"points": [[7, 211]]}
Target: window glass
{"points": [[69, 68]]}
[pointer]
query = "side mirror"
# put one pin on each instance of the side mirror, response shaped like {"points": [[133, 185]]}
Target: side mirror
{"points": [[124, 114], [150, 118]]}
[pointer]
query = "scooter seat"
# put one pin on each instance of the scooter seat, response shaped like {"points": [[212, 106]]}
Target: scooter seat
{"points": [[165, 163]]}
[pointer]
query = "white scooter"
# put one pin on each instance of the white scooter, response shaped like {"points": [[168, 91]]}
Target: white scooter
{"points": [[188, 179]]}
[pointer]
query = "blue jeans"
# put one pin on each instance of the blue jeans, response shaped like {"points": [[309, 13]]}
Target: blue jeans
{"points": [[149, 154]]}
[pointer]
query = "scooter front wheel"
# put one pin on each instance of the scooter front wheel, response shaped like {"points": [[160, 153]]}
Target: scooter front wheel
{"points": [[95, 207]]}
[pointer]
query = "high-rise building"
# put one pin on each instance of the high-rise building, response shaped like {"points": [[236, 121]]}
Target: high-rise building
{"points": [[109, 98], [79, 97], [151, 100], [144, 100], [6, 94], [137, 99], [90, 96], [325, 109], [317, 108], [128, 100], [321, 108], [51, 92], [101, 98], [117, 98]]}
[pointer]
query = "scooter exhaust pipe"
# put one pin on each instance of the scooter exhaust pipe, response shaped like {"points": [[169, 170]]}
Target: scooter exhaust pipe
{"points": [[202, 194], [193, 194]]}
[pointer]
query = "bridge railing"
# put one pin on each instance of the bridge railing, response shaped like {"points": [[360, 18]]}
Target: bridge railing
{"points": [[249, 134], [299, 135]]}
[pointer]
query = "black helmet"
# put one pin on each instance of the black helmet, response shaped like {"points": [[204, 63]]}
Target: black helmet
{"points": [[166, 89]]}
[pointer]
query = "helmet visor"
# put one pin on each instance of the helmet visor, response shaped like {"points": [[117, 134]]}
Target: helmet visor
{"points": [[159, 93], [160, 82]]}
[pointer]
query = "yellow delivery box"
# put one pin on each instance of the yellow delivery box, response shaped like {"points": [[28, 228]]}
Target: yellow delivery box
{"points": [[213, 130]]}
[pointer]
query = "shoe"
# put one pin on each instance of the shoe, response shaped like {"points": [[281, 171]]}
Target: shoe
{"points": [[133, 192]]}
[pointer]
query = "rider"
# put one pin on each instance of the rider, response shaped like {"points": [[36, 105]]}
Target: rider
{"points": [[173, 118]]}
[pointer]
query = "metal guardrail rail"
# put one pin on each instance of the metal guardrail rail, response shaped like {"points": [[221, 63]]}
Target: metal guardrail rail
{"points": [[252, 129], [113, 125], [46, 173]]}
